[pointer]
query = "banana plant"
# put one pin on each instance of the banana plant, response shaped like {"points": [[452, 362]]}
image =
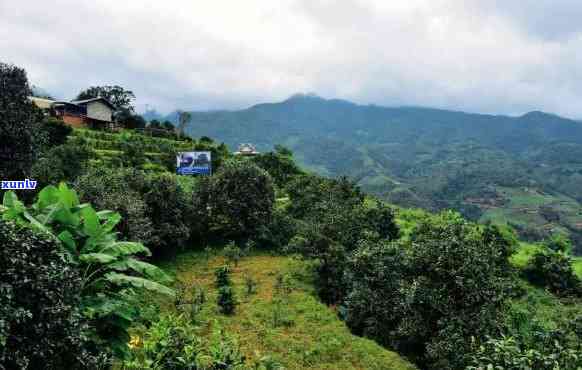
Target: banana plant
{"points": [[111, 270]]}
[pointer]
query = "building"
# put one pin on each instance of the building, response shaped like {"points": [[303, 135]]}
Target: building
{"points": [[96, 113], [246, 150]]}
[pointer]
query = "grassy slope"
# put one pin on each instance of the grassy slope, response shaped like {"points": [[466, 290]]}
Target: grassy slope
{"points": [[316, 339]]}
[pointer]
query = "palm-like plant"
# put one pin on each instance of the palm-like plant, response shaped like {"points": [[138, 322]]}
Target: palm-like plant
{"points": [[110, 269]]}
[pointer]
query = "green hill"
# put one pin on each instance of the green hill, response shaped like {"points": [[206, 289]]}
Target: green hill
{"points": [[427, 158]]}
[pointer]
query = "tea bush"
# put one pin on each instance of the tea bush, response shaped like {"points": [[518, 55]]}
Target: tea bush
{"points": [[41, 325]]}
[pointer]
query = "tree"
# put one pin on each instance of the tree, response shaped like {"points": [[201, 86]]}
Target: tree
{"points": [[18, 118], [184, 119], [122, 99], [238, 199], [167, 125], [130, 121], [280, 166], [436, 298]]}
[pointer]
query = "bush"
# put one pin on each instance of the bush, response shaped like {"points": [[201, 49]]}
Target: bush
{"points": [[40, 325], [112, 272], [226, 300], [279, 165], [56, 132], [278, 233], [551, 350], [432, 299], [238, 200], [62, 163], [174, 343], [119, 190], [169, 208], [554, 270], [222, 275]]}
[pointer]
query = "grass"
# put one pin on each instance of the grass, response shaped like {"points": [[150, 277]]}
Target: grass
{"points": [[294, 328]]}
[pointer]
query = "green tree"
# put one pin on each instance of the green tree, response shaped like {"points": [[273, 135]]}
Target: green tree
{"points": [[238, 199], [18, 118], [434, 299]]}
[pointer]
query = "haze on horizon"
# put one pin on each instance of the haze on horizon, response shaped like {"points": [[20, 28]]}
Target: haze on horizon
{"points": [[495, 56]]}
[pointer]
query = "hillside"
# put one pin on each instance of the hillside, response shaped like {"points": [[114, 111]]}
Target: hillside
{"points": [[295, 329], [523, 170]]}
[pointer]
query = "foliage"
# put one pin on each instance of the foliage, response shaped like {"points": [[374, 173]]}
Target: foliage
{"points": [[278, 233], [40, 323], [233, 253], [553, 269], [556, 349], [222, 276], [133, 154], [119, 190], [169, 208], [155, 208], [336, 218], [238, 200], [56, 132], [62, 163], [18, 122], [226, 299], [110, 269], [421, 157], [174, 343], [431, 298], [279, 165]]}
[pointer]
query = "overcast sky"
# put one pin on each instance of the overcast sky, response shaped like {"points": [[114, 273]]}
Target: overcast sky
{"points": [[494, 56]]}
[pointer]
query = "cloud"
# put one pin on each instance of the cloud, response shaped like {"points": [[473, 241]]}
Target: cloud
{"points": [[492, 56]]}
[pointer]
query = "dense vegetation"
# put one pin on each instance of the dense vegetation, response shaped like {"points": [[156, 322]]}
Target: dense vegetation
{"points": [[524, 171], [263, 266]]}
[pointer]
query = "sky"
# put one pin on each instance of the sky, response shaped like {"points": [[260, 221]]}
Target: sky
{"points": [[489, 56]]}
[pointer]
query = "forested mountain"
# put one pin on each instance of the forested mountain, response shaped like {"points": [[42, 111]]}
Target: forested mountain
{"points": [[525, 170]]}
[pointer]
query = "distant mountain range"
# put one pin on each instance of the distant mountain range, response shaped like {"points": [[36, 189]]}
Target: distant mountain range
{"points": [[525, 170]]}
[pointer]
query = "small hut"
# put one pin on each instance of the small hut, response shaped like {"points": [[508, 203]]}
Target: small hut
{"points": [[246, 150]]}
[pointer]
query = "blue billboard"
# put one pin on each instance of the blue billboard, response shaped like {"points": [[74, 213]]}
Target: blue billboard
{"points": [[194, 163]]}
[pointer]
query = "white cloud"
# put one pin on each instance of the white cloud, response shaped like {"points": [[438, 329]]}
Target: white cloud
{"points": [[496, 56]]}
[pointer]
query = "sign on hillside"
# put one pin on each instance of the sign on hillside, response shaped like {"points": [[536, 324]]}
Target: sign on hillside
{"points": [[194, 163]]}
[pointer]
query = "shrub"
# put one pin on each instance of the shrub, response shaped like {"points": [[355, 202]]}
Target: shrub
{"points": [[174, 343], [222, 275], [238, 199], [62, 163], [170, 210], [56, 132], [226, 300], [40, 325], [279, 165], [554, 270], [119, 190], [552, 350], [277, 233], [233, 253], [429, 300], [112, 273]]}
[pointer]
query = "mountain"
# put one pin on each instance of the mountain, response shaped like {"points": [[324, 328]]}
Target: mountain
{"points": [[524, 170]]}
